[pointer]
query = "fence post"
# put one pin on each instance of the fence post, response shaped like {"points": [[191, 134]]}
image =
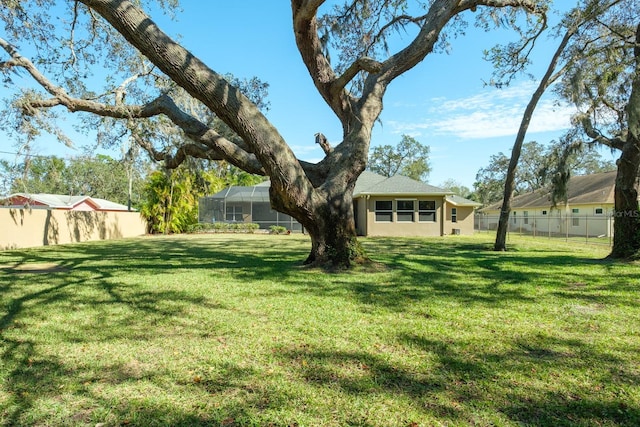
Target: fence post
{"points": [[586, 228]]}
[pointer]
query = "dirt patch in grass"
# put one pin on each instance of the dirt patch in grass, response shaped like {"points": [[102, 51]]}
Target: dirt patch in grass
{"points": [[35, 268]]}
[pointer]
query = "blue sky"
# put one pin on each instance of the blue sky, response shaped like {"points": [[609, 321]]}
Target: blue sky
{"points": [[442, 102]]}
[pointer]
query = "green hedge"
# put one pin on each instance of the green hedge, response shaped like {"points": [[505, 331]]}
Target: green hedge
{"points": [[224, 227]]}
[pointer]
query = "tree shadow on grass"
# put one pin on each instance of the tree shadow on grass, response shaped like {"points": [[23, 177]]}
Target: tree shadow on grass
{"points": [[530, 383], [27, 377], [451, 386], [459, 271], [32, 378], [546, 394], [30, 373], [90, 275]]}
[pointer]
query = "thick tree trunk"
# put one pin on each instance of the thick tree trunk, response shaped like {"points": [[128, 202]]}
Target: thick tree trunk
{"points": [[333, 237], [626, 225], [328, 219]]}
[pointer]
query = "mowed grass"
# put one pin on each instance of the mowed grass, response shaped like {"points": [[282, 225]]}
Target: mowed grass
{"points": [[229, 330]]}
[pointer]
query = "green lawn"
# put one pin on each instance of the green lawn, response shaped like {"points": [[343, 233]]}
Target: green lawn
{"points": [[228, 330]]}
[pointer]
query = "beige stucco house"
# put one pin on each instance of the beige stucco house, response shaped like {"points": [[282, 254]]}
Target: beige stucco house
{"points": [[400, 206], [588, 210], [395, 206]]}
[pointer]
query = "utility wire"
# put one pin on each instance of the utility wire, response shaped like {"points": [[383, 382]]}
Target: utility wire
{"points": [[28, 155]]}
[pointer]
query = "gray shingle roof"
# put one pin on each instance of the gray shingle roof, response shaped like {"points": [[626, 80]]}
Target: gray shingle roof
{"points": [[370, 183], [461, 201]]}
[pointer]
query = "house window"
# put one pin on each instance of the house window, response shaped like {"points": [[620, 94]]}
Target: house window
{"points": [[427, 211], [544, 212], [599, 211], [575, 221], [234, 213], [454, 214], [384, 211], [405, 210], [526, 217], [514, 218]]}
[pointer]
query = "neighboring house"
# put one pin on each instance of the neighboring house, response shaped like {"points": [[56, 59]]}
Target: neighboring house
{"points": [[62, 202], [588, 210], [395, 206], [30, 220]]}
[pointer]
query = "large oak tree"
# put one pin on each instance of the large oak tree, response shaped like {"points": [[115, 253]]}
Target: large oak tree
{"points": [[596, 62], [604, 84], [318, 195]]}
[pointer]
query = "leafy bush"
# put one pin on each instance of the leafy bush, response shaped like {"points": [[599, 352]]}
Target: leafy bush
{"points": [[277, 229]]}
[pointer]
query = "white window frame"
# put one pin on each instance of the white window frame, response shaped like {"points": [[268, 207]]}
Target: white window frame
{"points": [[454, 214]]}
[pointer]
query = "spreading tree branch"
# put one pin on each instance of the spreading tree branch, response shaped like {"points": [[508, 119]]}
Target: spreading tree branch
{"points": [[217, 147], [599, 137]]}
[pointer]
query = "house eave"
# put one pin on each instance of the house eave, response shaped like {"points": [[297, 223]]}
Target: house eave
{"points": [[404, 194]]}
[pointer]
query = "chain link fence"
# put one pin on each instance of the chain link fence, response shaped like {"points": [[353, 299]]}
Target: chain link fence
{"points": [[592, 229]]}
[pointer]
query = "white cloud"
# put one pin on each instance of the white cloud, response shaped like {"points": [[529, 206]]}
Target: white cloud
{"points": [[492, 113]]}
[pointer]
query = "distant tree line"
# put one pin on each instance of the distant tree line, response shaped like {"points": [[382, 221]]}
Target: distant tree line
{"points": [[98, 176]]}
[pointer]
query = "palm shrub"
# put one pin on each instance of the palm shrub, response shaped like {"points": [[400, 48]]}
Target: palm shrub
{"points": [[171, 205]]}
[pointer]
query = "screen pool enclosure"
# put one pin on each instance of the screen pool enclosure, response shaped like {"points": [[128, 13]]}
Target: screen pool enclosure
{"points": [[244, 204]]}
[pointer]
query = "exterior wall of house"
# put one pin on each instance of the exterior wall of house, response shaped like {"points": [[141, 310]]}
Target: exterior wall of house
{"points": [[84, 206], [23, 228], [574, 220], [360, 215], [458, 221], [398, 222], [22, 201]]}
